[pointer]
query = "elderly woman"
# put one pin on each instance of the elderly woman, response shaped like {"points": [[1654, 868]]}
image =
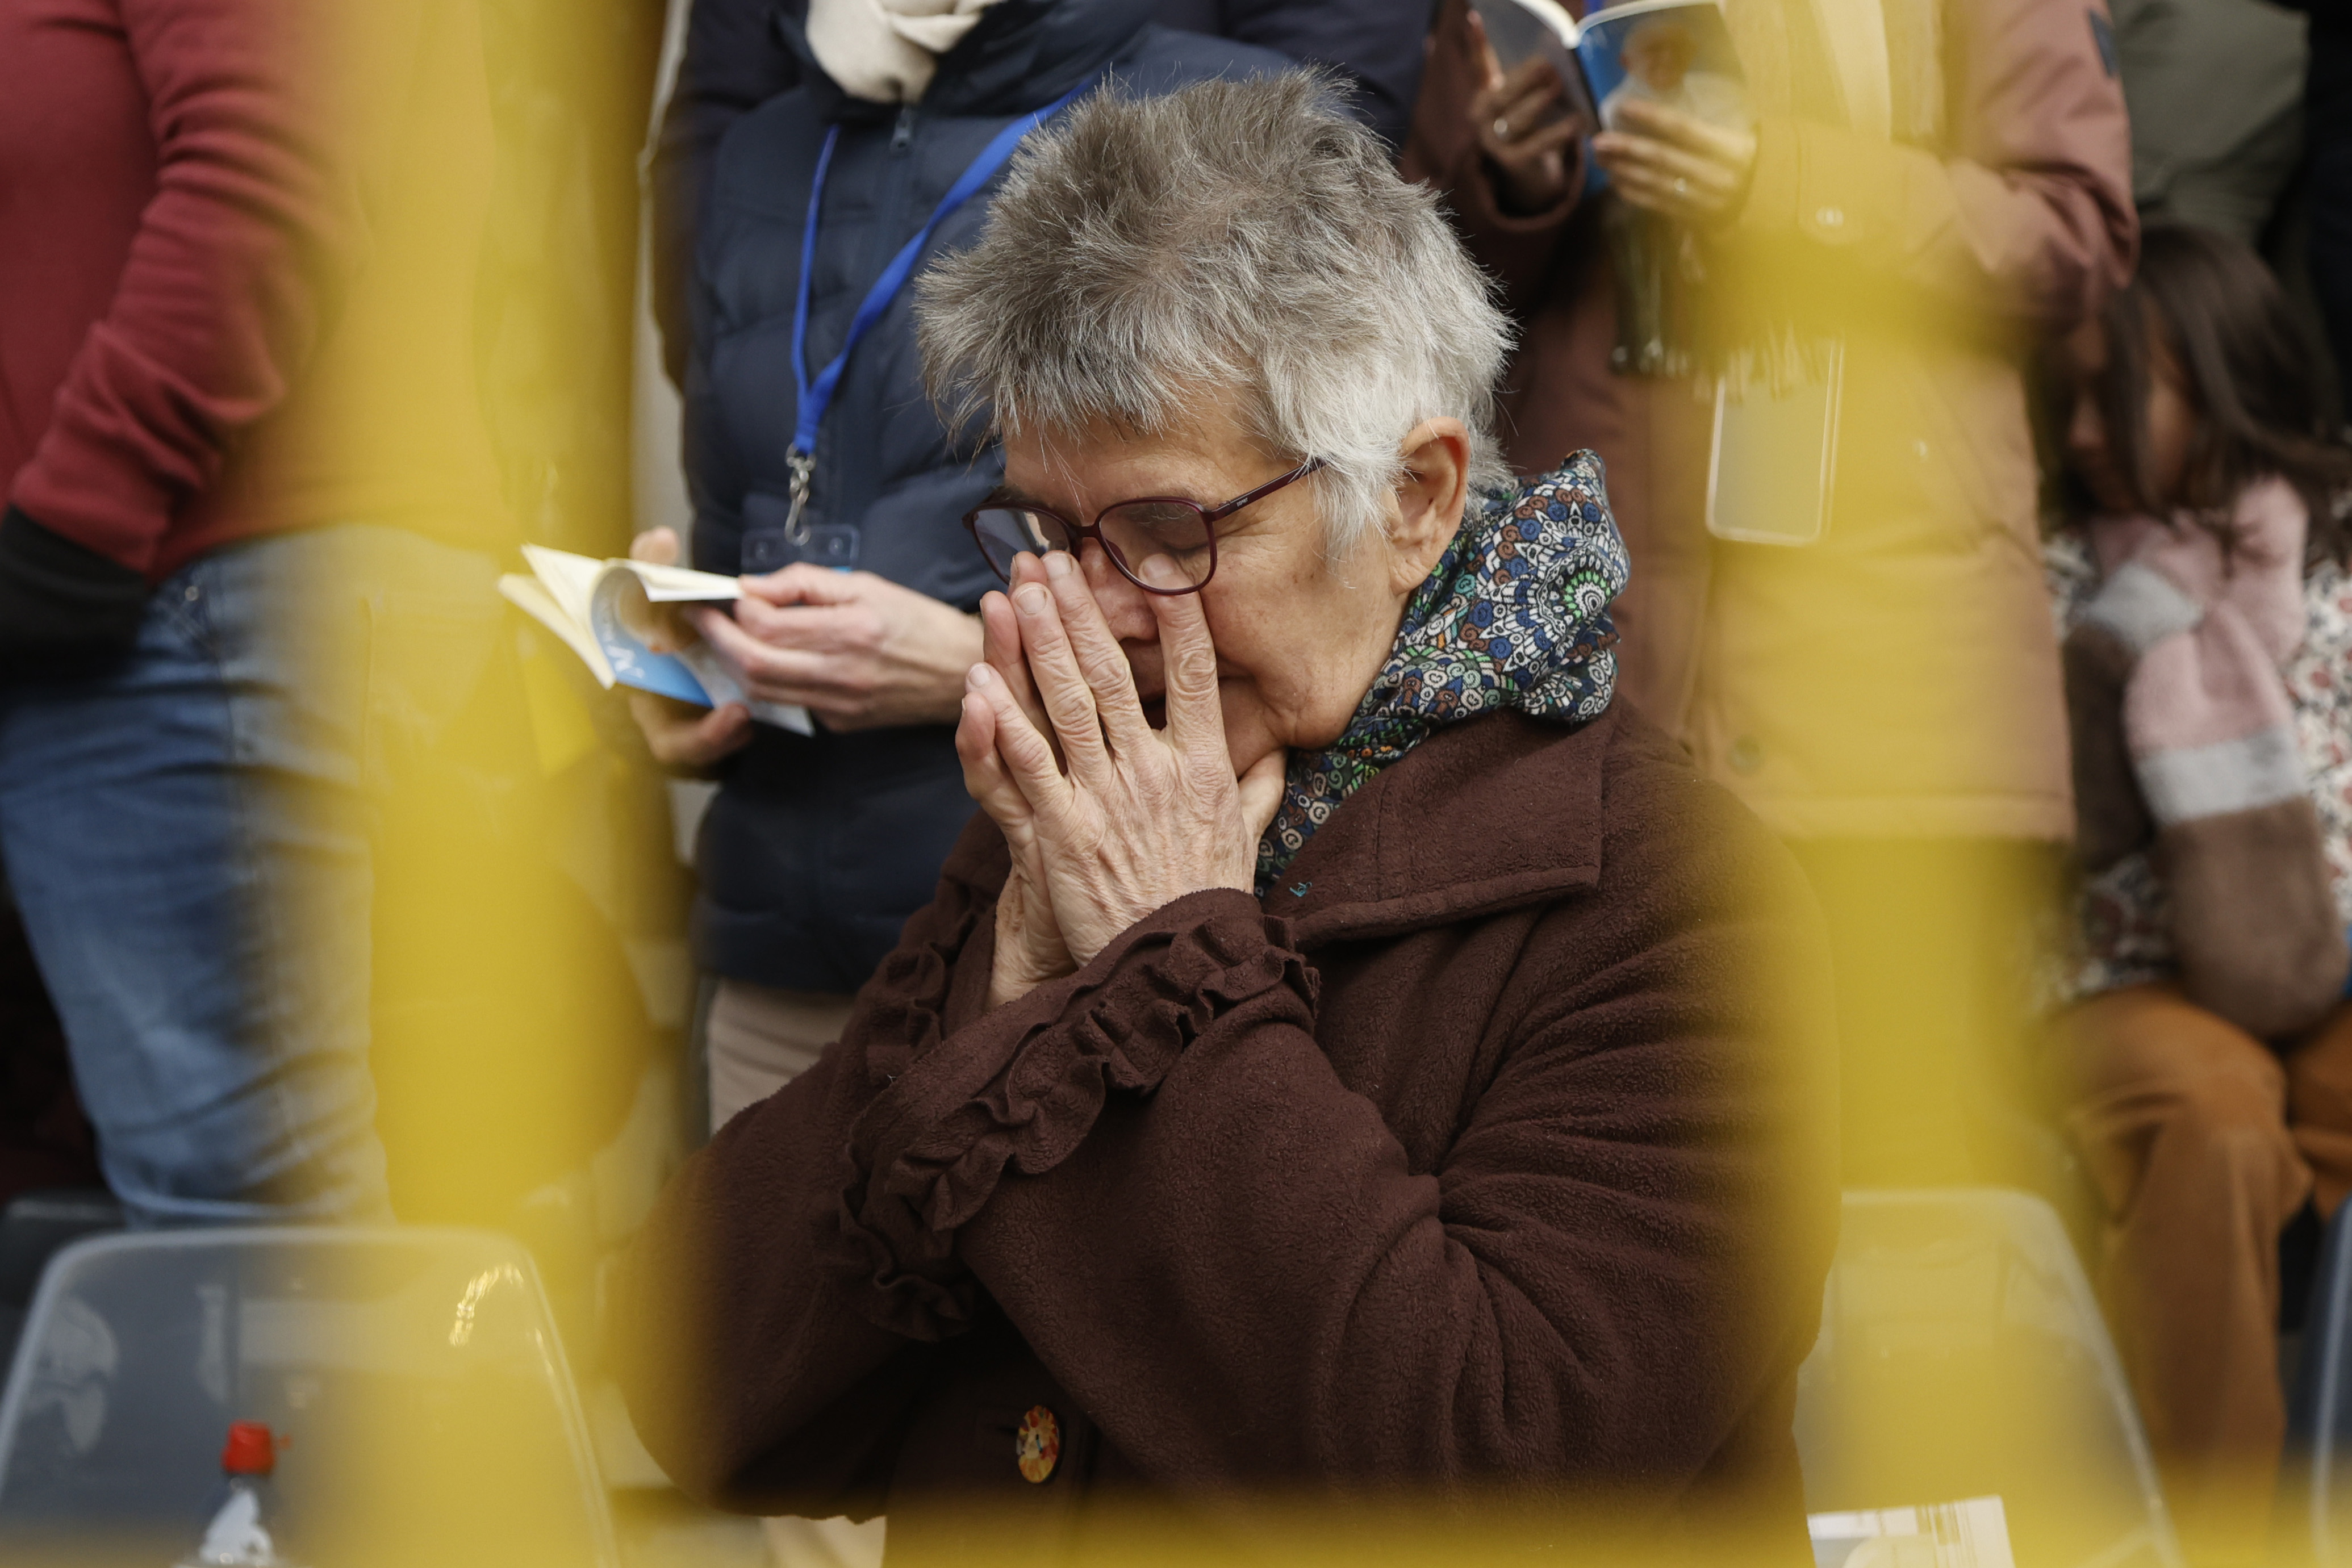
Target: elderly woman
{"points": [[1344, 1052]]}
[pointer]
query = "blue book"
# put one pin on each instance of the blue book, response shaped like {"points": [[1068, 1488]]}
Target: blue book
{"points": [[1673, 53], [621, 617]]}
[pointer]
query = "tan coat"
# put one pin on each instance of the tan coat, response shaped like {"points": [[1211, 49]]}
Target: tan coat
{"points": [[1900, 677]]}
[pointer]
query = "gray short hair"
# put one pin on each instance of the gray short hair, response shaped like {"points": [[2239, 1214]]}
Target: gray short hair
{"points": [[1238, 237]]}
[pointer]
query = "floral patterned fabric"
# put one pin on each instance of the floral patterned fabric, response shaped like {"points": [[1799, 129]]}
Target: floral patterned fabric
{"points": [[1515, 616], [2123, 914]]}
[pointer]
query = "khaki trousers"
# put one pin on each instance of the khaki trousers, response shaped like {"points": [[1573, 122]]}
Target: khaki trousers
{"points": [[2203, 1143], [761, 1039]]}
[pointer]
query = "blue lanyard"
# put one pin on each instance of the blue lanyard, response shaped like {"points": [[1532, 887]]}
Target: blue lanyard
{"points": [[817, 396]]}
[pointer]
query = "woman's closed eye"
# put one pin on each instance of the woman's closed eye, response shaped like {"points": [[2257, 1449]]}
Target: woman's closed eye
{"points": [[1147, 528]]}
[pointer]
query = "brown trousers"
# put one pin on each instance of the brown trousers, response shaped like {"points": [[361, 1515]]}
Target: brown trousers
{"points": [[2203, 1143]]}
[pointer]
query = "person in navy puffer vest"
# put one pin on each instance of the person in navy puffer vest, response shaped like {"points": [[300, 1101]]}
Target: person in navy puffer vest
{"points": [[820, 472]]}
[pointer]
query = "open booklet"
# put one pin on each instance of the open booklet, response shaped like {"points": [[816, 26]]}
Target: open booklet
{"points": [[1969, 1534], [621, 618], [1673, 53]]}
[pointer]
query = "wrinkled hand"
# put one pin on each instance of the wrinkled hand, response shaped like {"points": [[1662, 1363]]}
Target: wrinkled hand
{"points": [[856, 650], [1029, 947], [1677, 165], [1512, 117], [679, 734], [1142, 816]]}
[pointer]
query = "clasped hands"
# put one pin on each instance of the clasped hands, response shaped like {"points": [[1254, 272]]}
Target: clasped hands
{"points": [[1677, 166], [1106, 817]]}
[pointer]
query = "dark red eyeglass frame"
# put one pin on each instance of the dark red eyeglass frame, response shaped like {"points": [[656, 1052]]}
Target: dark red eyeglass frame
{"points": [[1210, 517]]}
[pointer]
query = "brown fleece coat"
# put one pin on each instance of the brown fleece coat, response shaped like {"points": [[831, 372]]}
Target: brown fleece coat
{"points": [[1483, 1153]]}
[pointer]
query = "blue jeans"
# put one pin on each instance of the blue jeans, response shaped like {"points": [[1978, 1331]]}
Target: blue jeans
{"points": [[186, 836]]}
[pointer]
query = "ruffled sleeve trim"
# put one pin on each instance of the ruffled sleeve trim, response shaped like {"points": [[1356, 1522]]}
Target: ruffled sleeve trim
{"points": [[1021, 1088]]}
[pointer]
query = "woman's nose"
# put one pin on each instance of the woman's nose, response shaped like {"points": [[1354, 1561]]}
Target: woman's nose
{"points": [[2087, 434], [1126, 606]]}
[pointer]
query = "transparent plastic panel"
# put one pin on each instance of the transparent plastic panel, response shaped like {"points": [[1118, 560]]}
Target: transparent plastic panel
{"points": [[1962, 1356], [413, 1377]]}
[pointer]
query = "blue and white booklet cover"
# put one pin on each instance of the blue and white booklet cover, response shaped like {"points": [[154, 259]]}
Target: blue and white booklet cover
{"points": [[1677, 54], [617, 615]]}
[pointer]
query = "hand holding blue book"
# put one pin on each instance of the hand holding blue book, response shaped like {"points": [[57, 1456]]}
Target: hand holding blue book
{"points": [[1677, 54], [621, 617]]}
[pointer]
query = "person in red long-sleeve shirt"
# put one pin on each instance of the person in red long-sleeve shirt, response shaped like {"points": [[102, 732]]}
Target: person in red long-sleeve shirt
{"points": [[213, 241]]}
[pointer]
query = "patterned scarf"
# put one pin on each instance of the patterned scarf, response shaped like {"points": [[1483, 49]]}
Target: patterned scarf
{"points": [[1515, 616]]}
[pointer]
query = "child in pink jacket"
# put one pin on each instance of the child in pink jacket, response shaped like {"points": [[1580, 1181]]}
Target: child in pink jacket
{"points": [[2205, 1047]]}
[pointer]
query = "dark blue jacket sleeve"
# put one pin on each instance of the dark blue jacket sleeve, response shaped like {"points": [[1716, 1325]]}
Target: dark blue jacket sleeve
{"points": [[715, 473], [1376, 43], [733, 63]]}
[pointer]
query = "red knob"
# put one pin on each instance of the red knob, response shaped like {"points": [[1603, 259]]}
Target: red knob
{"points": [[251, 1451]]}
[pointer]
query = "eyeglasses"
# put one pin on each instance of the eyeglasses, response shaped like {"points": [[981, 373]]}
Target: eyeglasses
{"points": [[1130, 533]]}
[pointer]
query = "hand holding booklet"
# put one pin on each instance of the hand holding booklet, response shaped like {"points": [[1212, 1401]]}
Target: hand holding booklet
{"points": [[1677, 54], [622, 617], [1772, 466]]}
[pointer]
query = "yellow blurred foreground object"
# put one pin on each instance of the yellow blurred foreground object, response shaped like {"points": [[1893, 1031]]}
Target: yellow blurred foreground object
{"points": [[522, 943]]}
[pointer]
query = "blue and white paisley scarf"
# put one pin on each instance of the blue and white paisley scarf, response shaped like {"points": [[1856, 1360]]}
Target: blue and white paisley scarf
{"points": [[1515, 616]]}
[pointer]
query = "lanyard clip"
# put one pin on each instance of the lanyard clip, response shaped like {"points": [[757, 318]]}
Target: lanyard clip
{"points": [[802, 464]]}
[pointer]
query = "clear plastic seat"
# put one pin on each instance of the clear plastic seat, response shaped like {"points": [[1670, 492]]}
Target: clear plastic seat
{"points": [[414, 1377], [1962, 1356]]}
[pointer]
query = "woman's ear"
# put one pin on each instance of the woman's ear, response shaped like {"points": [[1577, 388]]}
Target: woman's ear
{"points": [[1430, 498]]}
